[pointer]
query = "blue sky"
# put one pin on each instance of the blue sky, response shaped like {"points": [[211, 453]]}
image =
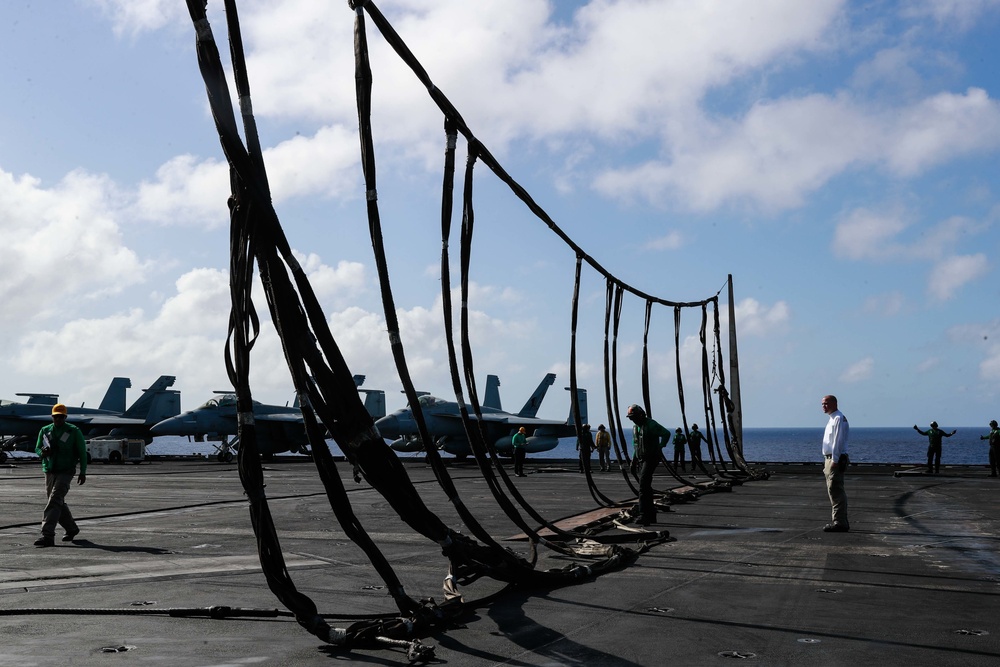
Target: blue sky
{"points": [[838, 158]]}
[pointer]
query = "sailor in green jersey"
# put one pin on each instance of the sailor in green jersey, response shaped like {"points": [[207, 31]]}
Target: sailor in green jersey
{"points": [[694, 445], [934, 435], [61, 446], [648, 438], [994, 438], [518, 442], [679, 443]]}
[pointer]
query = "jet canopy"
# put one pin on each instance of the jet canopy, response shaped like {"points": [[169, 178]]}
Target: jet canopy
{"points": [[428, 401], [222, 401]]}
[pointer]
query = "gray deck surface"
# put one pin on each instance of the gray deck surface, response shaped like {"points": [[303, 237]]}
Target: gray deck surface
{"points": [[916, 581]]}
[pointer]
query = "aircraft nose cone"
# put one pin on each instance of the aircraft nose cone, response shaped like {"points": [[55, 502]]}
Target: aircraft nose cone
{"points": [[388, 426], [174, 426], [160, 428]]}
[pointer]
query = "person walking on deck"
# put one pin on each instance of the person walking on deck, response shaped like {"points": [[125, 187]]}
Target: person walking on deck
{"points": [[60, 446]]}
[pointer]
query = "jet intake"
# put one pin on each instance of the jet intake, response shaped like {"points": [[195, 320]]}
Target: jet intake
{"points": [[541, 443], [407, 444]]}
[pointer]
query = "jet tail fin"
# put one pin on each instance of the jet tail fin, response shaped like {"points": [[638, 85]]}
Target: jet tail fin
{"points": [[141, 408], [530, 408], [114, 399], [164, 405], [374, 402], [581, 400], [492, 399]]}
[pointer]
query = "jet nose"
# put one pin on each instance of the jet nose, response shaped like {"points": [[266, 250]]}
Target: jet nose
{"points": [[174, 426], [388, 426], [160, 428]]}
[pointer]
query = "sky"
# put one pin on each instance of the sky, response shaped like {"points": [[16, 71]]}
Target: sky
{"points": [[838, 159]]}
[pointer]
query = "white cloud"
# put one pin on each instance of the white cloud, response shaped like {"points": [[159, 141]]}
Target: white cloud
{"points": [[186, 192], [61, 245], [136, 16], [952, 273], [989, 368], [522, 75], [985, 336], [756, 319], [960, 13], [885, 305], [941, 128], [858, 371], [866, 234], [777, 153], [325, 164], [345, 281], [890, 69], [671, 241], [782, 150], [186, 338]]}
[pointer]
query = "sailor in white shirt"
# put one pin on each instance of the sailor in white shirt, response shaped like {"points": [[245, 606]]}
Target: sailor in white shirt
{"points": [[835, 462]]}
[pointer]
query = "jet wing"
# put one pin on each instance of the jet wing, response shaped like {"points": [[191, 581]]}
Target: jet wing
{"points": [[514, 420], [287, 417]]}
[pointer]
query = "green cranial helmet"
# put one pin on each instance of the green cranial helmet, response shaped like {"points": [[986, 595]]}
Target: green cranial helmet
{"points": [[635, 411]]}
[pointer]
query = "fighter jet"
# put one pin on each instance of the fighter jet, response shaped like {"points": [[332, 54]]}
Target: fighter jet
{"points": [[444, 422], [20, 422], [156, 404], [279, 428]]}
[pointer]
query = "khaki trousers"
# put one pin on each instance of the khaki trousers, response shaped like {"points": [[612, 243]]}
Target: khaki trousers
{"points": [[56, 510]]}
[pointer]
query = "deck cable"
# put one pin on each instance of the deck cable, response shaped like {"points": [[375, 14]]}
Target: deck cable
{"points": [[324, 384]]}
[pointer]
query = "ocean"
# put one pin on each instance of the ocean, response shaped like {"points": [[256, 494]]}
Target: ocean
{"points": [[900, 445], [866, 445], [771, 445]]}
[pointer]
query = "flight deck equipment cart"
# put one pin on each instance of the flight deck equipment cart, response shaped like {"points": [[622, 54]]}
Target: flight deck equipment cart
{"points": [[116, 450]]}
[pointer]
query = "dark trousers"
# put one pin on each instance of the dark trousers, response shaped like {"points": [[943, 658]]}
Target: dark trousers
{"points": [[695, 453], [993, 460], [519, 460], [647, 510], [934, 458], [679, 456]]}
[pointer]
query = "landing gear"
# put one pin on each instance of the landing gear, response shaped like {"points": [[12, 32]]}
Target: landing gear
{"points": [[224, 450]]}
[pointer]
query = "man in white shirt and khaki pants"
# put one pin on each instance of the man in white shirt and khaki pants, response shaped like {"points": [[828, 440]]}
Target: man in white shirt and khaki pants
{"points": [[835, 462]]}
